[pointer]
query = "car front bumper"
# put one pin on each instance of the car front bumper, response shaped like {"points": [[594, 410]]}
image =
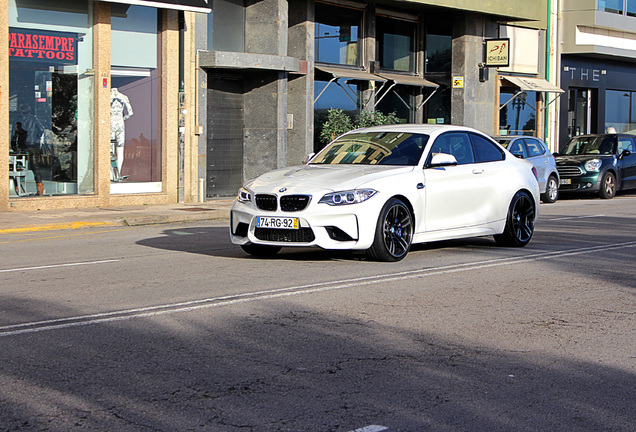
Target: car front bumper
{"points": [[328, 227], [584, 183]]}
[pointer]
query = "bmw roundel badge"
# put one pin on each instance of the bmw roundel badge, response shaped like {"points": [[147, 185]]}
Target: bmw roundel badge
{"points": [[281, 190]]}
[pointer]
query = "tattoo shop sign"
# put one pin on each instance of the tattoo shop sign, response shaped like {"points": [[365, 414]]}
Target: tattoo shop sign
{"points": [[43, 46]]}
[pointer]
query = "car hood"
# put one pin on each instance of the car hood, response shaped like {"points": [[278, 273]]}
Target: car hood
{"points": [[307, 178], [579, 159]]}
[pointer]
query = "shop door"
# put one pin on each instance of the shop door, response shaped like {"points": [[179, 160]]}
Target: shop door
{"points": [[580, 105], [225, 136]]}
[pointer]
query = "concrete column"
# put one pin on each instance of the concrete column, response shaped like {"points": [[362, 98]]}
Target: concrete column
{"points": [[472, 105], [300, 88], [266, 27]]}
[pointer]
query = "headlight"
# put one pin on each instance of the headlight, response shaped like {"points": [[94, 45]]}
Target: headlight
{"points": [[244, 195], [593, 165], [347, 197]]}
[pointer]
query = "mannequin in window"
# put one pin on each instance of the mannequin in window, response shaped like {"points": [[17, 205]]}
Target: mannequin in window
{"points": [[120, 111]]}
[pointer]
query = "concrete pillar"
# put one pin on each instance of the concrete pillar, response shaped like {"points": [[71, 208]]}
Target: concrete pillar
{"points": [[472, 105], [300, 88]]}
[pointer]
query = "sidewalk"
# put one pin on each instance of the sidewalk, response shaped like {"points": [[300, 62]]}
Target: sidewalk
{"points": [[44, 220]]}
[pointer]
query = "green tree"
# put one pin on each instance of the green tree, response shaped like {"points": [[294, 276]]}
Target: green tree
{"points": [[338, 122]]}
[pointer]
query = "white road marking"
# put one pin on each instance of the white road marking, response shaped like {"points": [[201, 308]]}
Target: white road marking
{"points": [[371, 428], [151, 311], [58, 265], [575, 217]]}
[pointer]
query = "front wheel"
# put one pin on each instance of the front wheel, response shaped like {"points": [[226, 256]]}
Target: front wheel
{"points": [[551, 191], [260, 250], [393, 232], [519, 222], [608, 186]]}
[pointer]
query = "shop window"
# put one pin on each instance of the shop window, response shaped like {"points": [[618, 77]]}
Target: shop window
{"points": [[630, 7], [333, 97], [135, 107], [620, 110], [438, 53], [613, 6], [337, 34], [50, 98], [518, 117], [438, 108], [399, 101], [226, 26], [396, 44]]}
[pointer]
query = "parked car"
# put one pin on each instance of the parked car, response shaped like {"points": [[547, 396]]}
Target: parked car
{"points": [[602, 164], [535, 151], [384, 188]]}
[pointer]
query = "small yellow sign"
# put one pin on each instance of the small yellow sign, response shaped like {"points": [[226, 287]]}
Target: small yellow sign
{"points": [[458, 82]]}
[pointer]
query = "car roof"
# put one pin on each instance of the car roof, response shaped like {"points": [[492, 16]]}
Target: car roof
{"points": [[417, 128]]}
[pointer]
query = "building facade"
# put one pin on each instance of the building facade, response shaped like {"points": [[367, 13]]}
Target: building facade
{"points": [[264, 92], [597, 65], [125, 102]]}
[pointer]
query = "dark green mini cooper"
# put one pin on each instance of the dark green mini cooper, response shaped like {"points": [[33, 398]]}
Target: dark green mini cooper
{"points": [[602, 164]]}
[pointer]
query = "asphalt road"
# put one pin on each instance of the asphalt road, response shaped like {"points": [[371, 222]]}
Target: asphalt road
{"points": [[172, 328]]}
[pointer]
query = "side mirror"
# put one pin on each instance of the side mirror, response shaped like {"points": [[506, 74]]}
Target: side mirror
{"points": [[555, 154], [442, 160], [520, 156], [307, 158], [625, 153]]}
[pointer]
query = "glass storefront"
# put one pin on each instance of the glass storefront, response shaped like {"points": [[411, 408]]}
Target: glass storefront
{"points": [[135, 110], [50, 98], [620, 111], [337, 35], [396, 42], [518, 117]]}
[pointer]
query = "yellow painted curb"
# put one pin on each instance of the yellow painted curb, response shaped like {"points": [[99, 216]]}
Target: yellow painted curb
{"points": [[60, 226]]}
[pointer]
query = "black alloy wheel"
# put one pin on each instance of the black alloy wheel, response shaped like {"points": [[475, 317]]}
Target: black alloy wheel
{"points": [[519, 222], [608, 186], [393, 233]]}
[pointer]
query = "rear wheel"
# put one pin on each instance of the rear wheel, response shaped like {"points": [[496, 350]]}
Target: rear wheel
{"points": [[393, 233], [608, 186], [551, 190], [260, 250], [519, 222]]}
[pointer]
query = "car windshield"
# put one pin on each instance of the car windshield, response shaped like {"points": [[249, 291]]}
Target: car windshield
{"points": [[589, 145], [374, 148], [505, 142]]}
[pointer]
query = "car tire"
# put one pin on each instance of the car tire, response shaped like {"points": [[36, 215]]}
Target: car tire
{"points": [[551, 190], [519, 222], [608, 186], [258, 250], [393, 232]]}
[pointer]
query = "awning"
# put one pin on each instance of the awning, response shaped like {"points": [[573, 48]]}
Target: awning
{"points": [[411, 80], [334, 74], [352, 74], [393, 79], [532, 84], [184, 5]]}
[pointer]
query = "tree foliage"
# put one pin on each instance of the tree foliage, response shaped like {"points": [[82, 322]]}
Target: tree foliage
{"points": [[339, 122]]}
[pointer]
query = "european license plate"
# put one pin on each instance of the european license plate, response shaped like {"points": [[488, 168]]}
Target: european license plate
{"points": [[566, 181], [277, 222]]}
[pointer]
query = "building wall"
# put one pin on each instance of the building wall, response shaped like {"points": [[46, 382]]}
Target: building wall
{"points": [[102, 197]]}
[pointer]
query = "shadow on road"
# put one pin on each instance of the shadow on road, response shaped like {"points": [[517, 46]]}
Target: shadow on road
{"points": [[283, 367]]}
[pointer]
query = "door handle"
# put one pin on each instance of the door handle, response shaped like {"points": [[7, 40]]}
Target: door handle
{"points": [[478, 171]]}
